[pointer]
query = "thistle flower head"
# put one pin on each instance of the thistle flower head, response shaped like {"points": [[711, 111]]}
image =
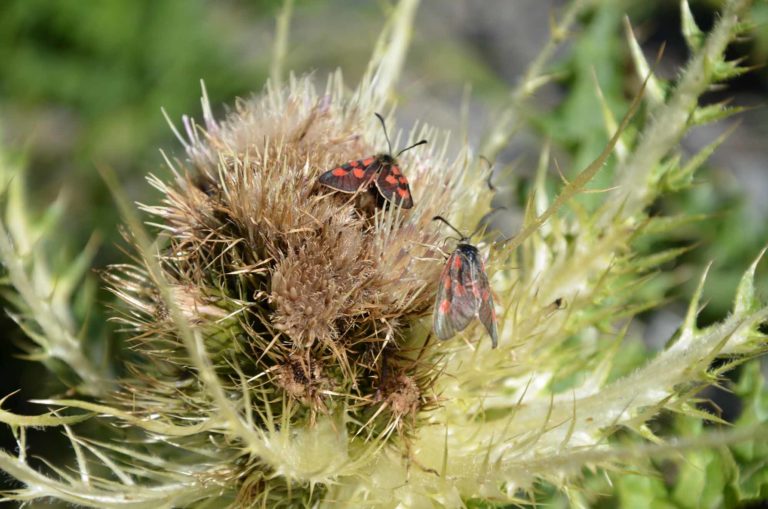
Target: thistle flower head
{"points": [[324, 292]]}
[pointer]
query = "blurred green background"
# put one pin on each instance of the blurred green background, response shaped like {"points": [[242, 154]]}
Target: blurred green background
{"points": [[82, 84]]}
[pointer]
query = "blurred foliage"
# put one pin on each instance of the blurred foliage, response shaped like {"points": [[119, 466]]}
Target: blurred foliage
{"points": [[728, 232], [82, 84]]}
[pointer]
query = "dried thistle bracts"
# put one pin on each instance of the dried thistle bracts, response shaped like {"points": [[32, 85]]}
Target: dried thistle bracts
{"points": [[316, 295]]}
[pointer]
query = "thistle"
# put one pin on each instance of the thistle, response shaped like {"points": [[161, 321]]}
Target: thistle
{"points": [[282, 351]]}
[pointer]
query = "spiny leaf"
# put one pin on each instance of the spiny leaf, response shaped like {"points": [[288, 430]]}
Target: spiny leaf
{"points": [[723, 70], [609, 120], [583, 178], [688, 330], [39, 421], [164, 428], [681, 177], [666, 224], [656, 259], [694, 37], [745, 294], [714, 112], [654, 91]]}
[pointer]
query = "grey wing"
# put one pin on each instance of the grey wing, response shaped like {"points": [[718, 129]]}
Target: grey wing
{"points": [[487, 313], [456, 304]]}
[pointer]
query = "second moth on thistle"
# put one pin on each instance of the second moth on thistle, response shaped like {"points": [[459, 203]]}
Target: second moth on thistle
{"points": [[463, 292]]}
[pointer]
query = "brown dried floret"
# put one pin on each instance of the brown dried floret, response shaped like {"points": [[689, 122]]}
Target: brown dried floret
{"points": [[302, 380], [318, 284], [405, 396]]}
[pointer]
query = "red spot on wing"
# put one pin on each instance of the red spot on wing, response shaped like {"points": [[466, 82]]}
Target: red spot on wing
{"points": [[392, 188], [457, 262], [347, 178], [445, 306], [395, 170], [368, 162]]}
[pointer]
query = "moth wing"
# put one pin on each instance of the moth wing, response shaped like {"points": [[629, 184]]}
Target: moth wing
{"points": [[351, 176], [441, 323], [486, 313], [456, 304], [393, 185]]}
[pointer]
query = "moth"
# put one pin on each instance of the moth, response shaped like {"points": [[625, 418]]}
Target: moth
{"points": [[463, 293], [380, 170]]}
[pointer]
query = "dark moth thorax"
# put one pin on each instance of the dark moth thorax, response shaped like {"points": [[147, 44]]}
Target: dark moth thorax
{"points": [[468, 251], [386, 159]]}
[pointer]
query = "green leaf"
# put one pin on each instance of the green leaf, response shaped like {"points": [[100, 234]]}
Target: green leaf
{"points": [[700, 481], [641, 491], [751, 482]]}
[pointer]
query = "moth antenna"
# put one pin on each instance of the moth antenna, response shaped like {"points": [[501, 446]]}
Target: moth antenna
{"points": [[386, 135], [484, 219], [422, 142], [441, 218], [489, 181]]}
